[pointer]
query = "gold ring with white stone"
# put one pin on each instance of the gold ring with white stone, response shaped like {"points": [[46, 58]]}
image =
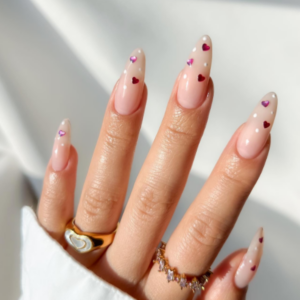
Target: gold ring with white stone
{"points": [[83, 241], [195, 283]]}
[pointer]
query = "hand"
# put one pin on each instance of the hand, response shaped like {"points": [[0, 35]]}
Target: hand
{"points": [[193, 246]]}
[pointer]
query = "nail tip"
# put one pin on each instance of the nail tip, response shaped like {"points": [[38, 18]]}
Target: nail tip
{"points": [[138, 51], [205, 37]]}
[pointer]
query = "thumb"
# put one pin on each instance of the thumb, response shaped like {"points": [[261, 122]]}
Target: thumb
{"points": [[232, 276]]}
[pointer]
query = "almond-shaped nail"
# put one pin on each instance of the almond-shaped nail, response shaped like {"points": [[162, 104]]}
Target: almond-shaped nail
{"points": [[130, 88], [61, 147], [192, 88], [256, 131], [248, 267]]}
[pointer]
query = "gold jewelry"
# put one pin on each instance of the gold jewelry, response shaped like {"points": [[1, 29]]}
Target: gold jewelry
{"points": [[195, 283], [86, 241]]}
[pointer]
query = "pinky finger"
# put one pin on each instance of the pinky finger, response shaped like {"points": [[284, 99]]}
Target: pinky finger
{"points": [[56, 205], [231, 278]]}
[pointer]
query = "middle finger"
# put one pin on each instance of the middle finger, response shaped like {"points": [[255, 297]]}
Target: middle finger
{"points": [[165, 171]]}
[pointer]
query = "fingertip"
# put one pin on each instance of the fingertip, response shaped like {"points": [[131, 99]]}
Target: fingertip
{"points": [[222, 280]]}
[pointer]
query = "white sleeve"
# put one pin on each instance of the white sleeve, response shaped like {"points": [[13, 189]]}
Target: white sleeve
{"points": [[49, 272]]}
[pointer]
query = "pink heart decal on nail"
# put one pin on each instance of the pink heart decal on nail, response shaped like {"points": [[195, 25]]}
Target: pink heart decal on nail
{"points": [[265, 103], [133, 59], [135, 80], [261, 239], [201, 78], [190, 61], [61, 133], [253, 268], [205, 47], [266, 124]]}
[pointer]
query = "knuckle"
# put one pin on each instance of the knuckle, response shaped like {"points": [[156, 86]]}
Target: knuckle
{"points": [[181, 131], [118, 136], [205, 231], [97, 202], [232, 176], [151, 205], [53, 192]]}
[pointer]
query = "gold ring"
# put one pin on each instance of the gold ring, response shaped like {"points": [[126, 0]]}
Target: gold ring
{"points": [[195, 283], [83, 241]]}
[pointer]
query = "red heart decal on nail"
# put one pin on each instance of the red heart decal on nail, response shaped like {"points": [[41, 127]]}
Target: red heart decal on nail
{"points": [[135, 80], [133, 59], [61, 133], [190, 61], [201, 78], [253, 268], [261, 239], [205, 47], [266, 124], [265, 103]]}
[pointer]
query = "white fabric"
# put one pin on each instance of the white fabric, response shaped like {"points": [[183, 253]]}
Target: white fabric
{"points": [[49, 273]]}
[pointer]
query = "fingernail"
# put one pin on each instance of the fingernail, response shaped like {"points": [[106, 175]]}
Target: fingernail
{"points": [[130, 88], [248, 267], [61, 147], [193, 83], [257, 129]]}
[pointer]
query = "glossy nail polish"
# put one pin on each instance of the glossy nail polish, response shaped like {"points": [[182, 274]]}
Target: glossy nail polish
{"points": [[130, 88], [248, 267], [256, 131], [194, 80], [61, 147]]}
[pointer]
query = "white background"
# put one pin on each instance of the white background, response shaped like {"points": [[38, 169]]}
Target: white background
{"points": [[61, 58]]}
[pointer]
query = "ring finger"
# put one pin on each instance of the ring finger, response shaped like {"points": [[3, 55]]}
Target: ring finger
{"points": [[105, 187]]}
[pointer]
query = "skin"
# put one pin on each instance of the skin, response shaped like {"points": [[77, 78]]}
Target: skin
{"points": [[201, 233]]}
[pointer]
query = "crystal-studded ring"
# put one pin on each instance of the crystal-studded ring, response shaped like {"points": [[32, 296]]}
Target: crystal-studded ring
{"points": [[195, 283], [84, 242]]}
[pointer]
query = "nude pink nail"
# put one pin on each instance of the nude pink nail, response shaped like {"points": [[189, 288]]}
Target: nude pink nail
{"points": [[248, 267], [130, 88], [256, 131], [61, 147], [193, 83]]}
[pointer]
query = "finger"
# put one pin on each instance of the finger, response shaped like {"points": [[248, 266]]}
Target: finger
{"points": [[165, 171], [221, 285], [105, 187], [56, 203], [231, 278], [206, 225]]}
